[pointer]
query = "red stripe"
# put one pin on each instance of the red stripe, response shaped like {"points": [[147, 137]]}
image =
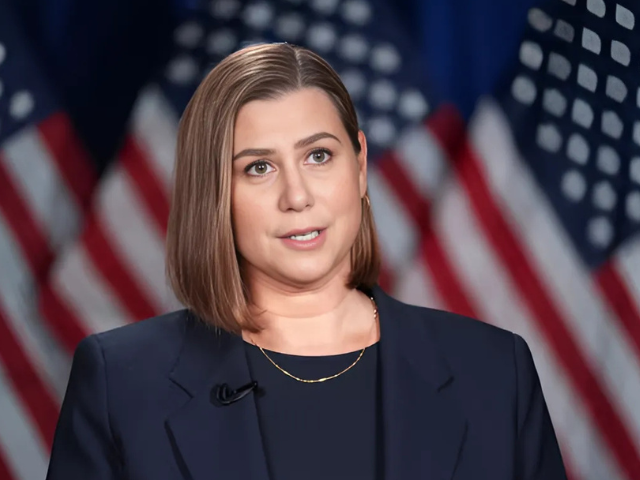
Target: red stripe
{"points": [[620, 301], [34, 395], [413, 203], [568, 467], [5, 473], [149, 187], [70, 157], [386, 278], [113, 269], [68, 327], [449, 286], [547, 315], [28, 234], [431, 250]]}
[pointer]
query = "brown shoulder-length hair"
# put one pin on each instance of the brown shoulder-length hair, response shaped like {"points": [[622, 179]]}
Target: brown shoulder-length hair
{"points": [[201, 257]]}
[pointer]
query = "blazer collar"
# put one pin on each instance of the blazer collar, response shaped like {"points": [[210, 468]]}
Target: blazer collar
{"points": [[422, 430]]}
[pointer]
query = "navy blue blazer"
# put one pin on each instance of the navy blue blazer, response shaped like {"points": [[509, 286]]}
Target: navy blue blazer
{"points": [[460, 400]]}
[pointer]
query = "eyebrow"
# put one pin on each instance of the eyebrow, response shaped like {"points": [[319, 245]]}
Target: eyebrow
{"points": [[257, 152]]}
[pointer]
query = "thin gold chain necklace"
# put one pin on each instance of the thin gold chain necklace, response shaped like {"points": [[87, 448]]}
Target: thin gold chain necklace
{"points": [[324, 379]]}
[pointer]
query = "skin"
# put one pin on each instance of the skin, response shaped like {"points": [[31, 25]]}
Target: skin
{"points": [[308, 310]]}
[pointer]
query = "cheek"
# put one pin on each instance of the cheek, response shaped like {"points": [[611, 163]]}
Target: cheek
{"points": [[344, 194], [247, 214]]}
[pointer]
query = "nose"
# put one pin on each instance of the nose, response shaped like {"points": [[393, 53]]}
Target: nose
{"points": [[295, 194]]}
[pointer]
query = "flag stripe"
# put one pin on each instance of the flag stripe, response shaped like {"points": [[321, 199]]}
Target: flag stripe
{"points": [[68, 325], [620, 301], [70, 157], [38, 183], [386, 279], [30, 238], [16, 289], [447, 283], [500, 303], [25, 452], [4, 467], [149, 186], [415, 286], [139, 242], [36, 251], [33, 393], [420, 154], [627, 265], [539, 300], [154, 128], [395, 230], [99, 247], [411, 201], [431, 252], [84, 293]]}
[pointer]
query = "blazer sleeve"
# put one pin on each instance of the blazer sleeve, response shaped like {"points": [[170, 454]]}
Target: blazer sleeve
{"points": [[83, 446], [537, 453]]}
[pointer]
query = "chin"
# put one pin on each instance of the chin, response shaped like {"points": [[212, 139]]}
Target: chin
{"points": [[302, 274]]}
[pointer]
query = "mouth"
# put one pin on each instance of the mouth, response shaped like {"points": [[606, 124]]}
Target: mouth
{"points": [[303, 235], [306, 236], [306, 239]]}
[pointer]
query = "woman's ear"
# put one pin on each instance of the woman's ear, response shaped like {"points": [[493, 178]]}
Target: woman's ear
{"points": [[362, 163]]}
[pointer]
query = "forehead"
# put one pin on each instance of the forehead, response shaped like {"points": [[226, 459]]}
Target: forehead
{"points": [[294, 114]]}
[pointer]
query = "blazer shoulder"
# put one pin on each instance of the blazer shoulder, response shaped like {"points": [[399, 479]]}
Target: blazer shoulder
{"points": [[464, 329], [457, 328], [466, 342], [152, 341]]}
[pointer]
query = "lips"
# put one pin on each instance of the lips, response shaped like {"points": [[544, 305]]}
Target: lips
{"points": [[302, 242], [302, 231]]}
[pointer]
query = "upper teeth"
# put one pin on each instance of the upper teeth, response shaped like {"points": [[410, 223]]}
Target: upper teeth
{"points": [[306, 236]]}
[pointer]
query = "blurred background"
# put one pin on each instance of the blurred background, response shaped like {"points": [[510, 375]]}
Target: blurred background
{"points": [[505, 181]]}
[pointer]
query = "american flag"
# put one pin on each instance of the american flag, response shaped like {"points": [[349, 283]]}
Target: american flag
{"points": [[524, 215]]}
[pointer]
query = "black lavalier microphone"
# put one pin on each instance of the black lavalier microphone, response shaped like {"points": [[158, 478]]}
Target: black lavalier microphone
{"points": [[226, 396]]}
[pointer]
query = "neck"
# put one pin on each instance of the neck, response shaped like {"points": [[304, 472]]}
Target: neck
{"points": [[327, 319]]}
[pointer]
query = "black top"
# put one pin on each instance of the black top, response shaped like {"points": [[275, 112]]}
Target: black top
{"points": [[296, 418]]}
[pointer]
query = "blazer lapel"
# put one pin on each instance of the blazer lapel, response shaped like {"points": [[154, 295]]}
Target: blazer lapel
{"points": [[211, 440], [423, 431]]}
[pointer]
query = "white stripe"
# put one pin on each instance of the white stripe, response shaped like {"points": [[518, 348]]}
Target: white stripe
{"points": [[19, 440], [132, 234], [498, 302], [422, 158], [549, 248], [171, 303], [627, 263], [396, 232], [414, 285], [84, 290], [155, 125], [18, 301], [40, 184]]}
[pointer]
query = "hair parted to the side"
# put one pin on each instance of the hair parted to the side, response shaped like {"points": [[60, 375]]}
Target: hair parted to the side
{"points": [[201, 258]]}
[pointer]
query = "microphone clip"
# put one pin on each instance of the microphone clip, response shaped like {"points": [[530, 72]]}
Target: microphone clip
{"points": [[226, 396]]}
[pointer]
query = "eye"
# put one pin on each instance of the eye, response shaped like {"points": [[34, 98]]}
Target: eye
{"points": [[258, 169], [320, 156]]}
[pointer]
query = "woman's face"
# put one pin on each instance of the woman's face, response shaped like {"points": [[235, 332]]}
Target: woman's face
{"points": [[295, 173]]}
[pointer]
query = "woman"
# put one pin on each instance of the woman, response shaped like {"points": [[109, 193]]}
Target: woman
{"points": [[289, 362]]}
